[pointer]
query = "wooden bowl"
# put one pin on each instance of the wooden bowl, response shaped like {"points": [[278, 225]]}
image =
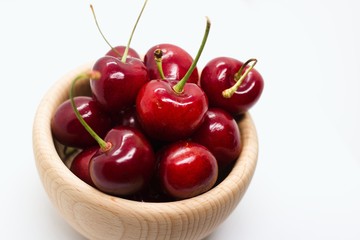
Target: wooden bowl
{"points": [[99, 216]]}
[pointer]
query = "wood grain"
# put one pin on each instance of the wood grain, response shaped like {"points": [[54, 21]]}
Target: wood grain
{"points": [[99, 216]]}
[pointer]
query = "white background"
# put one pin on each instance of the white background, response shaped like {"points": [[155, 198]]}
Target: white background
{"points": [[307, 181]]}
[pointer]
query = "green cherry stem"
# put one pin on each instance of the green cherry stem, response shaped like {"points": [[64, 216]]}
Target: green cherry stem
{"points": [[104, 146], [179, 87], [99, 29], [123, 59], [158, 53], [239, 77]]}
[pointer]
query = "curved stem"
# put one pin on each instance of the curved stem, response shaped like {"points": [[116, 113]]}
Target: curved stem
{"points": [[179, 87], [238, 75], [158, 53], [105, 146], [103, 36], [123, 59], [227, 93]]}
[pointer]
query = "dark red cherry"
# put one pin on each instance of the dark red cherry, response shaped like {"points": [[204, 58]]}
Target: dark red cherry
{"points": [[67, 129], [80, 165], [219, 80], [175, 63], [221, 135], [129, 118], [121, 78], [118, 52], [119, 84], [127, 166], [187, 169], [172, 110]]}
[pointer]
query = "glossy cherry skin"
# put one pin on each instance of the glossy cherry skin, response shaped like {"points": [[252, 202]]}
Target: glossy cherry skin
{"points": [[221, 135], [80, 165], [175, 63], [129, 118], [119, 84], [67, 129], [121, 49], [127, 167], [218, 75], [187, 169], [169, 116]]}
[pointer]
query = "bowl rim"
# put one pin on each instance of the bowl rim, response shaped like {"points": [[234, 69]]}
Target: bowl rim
{"points": [[49, 164]]}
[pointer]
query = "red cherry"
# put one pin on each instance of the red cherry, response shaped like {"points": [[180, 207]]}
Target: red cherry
{"points": [[170, 111], [120, 79], [119, 84], [187, 169], [127, 166], [220, 79], [67, 129], [175, 63], [80, 165], [221, 135], [166, 115]]}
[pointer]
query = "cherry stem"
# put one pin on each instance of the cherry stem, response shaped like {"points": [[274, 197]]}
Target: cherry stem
{"points": [[104, 146], [123, 59], [239, 77], [179, 87], [158, 53], [103, 36]]}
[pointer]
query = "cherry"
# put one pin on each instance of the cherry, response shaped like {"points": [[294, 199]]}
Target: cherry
{"points": [[175, 63], [121, 79], [221, 135], [170, 110], [187, 169], [168, 116], [119, 84], [127, 166], [231, 84], [125, 161], [68, 130], [80, 165]]}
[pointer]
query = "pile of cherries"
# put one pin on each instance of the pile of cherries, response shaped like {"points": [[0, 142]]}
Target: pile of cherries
{"points": [[155, 128]]}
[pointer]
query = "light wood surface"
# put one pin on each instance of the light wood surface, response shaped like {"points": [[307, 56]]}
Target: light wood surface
{"points": [[99, 216]]}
